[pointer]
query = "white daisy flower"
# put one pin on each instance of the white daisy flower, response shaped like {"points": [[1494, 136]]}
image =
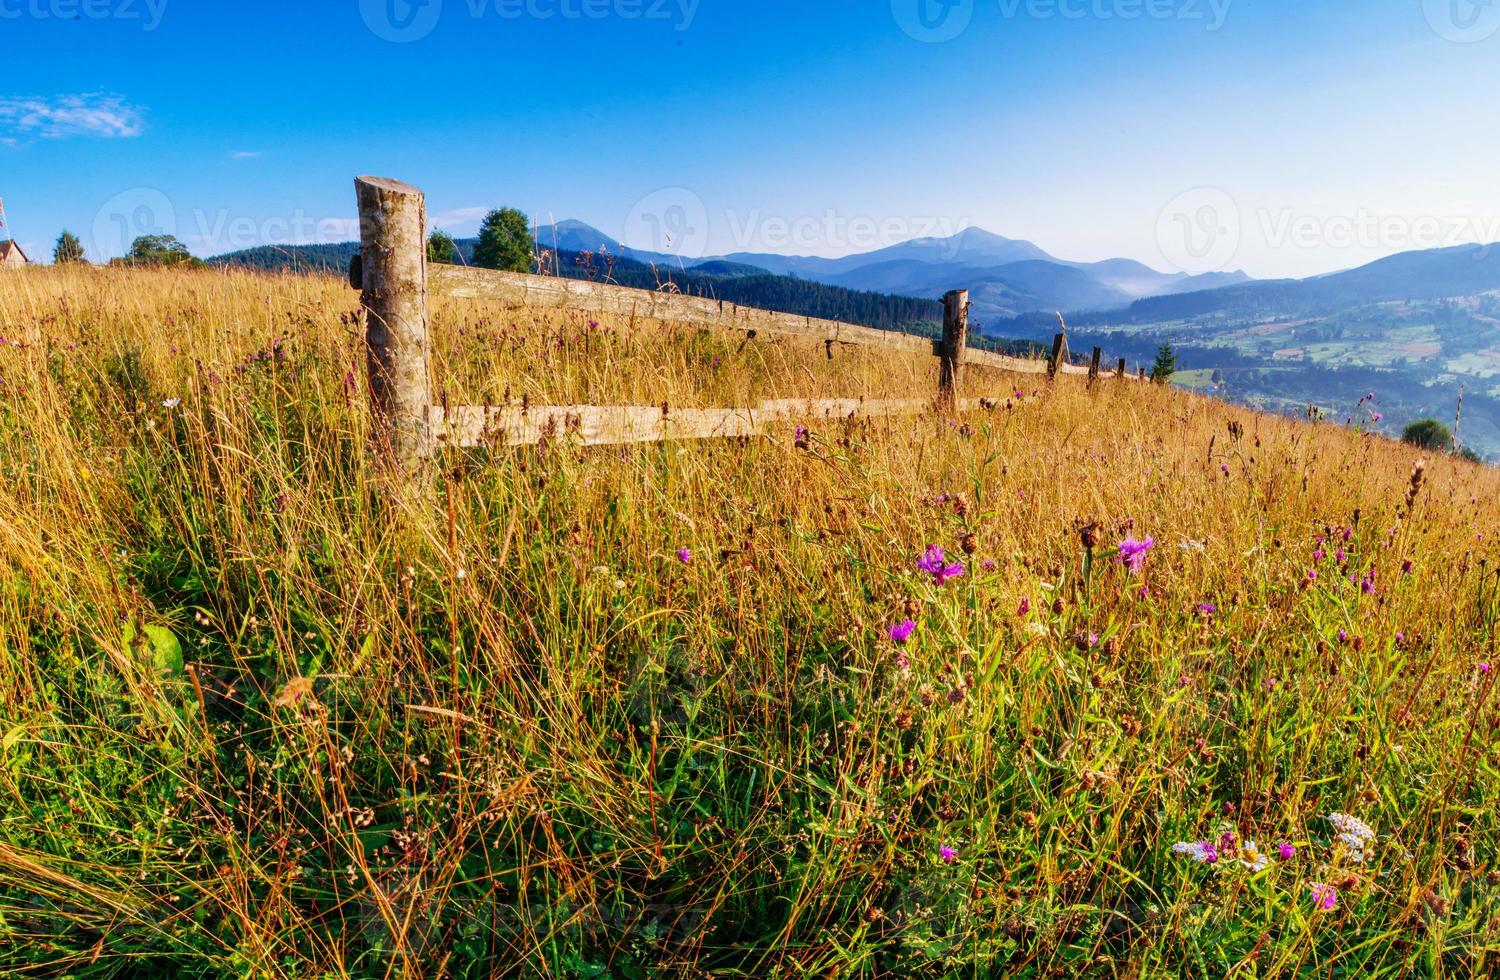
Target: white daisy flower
{"points": [[1252, 858]]}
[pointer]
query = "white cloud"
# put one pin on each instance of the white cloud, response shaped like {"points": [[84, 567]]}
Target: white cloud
{"points": [[244, 154], [457, 217], [59, 117]]}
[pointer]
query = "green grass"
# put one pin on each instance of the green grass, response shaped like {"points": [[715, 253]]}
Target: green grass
{"points": [[264, 716]]}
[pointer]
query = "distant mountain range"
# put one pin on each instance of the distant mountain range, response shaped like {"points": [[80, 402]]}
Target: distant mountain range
{"points": [[1458, 271], [1005, 277]]}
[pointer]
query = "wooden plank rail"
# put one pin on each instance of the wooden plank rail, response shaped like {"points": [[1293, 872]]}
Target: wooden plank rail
{"points": [[615, 425], [395, 278]]}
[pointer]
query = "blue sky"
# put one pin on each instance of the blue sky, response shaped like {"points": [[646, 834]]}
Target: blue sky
{"points": [[1279, 136]]}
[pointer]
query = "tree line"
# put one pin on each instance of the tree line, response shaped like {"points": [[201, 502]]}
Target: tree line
{"points": [[145, 250]]}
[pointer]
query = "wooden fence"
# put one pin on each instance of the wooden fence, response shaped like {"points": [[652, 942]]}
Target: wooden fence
{"points": [[393, 274]]}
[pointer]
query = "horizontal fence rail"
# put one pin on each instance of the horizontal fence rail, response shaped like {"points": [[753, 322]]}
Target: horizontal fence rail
{"points": [[395, 280], [609, 425]]}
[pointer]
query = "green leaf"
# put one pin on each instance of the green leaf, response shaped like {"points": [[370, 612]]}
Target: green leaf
{"points": [[166, 652]]}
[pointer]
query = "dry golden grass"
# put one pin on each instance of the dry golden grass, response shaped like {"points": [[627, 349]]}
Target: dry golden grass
{"points": [[261, 716]]}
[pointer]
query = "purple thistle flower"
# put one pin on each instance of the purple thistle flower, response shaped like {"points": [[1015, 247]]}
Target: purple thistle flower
{"points": [[1287, 851], [1325, 897], [1207, 608], [1342, 558], [935, 563], [1133, 553], [1343, 636], [901, 632], [1485, 667], [1319, 555], [949, 854], [1024, 607], [685, 556]]}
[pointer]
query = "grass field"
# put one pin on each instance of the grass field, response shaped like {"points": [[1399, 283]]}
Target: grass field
{"points": [[696, 709]]}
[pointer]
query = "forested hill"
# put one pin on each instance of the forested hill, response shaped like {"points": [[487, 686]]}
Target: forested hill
{"points": [[733, 283]]}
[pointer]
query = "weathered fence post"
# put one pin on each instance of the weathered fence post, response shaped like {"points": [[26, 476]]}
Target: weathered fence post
{"points": [[1095, 364], [955, 341], [393, 280], [1059, 354], [1122, 367]]}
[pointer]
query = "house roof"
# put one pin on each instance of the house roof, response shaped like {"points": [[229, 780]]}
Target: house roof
{"points": [[7, 246]]}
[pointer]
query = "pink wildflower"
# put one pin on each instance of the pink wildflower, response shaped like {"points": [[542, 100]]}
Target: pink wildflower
{"points": [[1133, 553], [1325, 897]]}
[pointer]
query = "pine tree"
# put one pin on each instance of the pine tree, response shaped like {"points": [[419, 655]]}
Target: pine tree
{"points": [[1166, 364], [69, 249], [505, 242]]}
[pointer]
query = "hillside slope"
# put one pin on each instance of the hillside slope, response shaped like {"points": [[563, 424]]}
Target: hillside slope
{"points": [[733, 283], [715, 707]]}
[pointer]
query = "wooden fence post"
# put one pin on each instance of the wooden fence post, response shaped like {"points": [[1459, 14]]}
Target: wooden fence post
{"points": [[955, 341], [1059, 354], [1094, 365], [393, 273], [1122, 367]]}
